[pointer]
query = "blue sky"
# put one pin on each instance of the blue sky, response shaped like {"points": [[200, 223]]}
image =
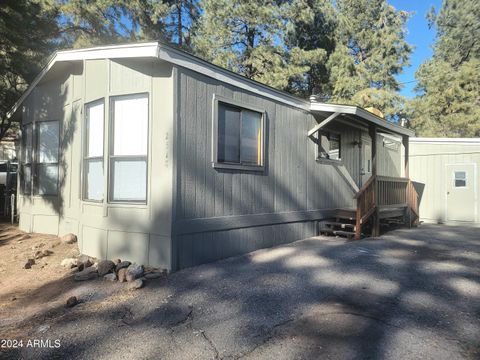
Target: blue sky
{"points": [[419, 35]]}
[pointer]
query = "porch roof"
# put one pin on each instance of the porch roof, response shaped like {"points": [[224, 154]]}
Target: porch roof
{"points": [[361, 115]]}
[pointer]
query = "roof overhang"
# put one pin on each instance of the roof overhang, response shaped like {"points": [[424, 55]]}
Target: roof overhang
{"points": [[177, 57], [167, 53], [362, 115]]}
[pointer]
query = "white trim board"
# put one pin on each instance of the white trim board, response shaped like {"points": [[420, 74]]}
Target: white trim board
{"points": [[463, 141]]}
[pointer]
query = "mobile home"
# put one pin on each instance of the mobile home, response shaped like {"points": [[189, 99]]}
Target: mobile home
{"points": [[445, 171], [150, 154]]}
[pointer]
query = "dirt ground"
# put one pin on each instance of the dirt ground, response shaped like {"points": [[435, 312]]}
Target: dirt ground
{"points": [[40, 292], [409, 294]]}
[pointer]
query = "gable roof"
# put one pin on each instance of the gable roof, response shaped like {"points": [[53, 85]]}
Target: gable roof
{"points": [[172, 55]]}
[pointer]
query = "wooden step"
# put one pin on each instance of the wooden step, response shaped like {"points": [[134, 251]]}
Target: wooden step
{"points": [[341, 225], [347, 234]]}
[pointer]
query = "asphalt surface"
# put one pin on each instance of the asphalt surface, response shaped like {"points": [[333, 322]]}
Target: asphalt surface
{"points": [[410, 294]]}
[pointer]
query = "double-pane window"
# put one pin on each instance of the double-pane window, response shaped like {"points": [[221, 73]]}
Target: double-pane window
{"points": [[129, 148], [329, 146], [240, 136], [27, 159], [93, 152], [47, 157]]}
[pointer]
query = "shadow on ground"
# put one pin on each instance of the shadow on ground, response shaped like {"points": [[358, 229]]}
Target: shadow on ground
{"points": [[407, 295]]}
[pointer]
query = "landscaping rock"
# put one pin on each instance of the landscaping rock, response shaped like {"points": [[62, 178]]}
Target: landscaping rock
{"points": [[29, 263], [117, 261], [110, 277], [122, 275], [47, 252], [134, 271], [84, 260], [122, 264], [104, 267], [71, 302], [135, 284], [153, 275], [86, 274], [68, 239], [69, 263]]}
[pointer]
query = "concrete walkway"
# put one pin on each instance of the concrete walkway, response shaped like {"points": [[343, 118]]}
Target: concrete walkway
{"points": [[410, 294]]}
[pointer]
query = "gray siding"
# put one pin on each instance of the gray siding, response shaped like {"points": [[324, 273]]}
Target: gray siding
{"points": [[293, 181]]}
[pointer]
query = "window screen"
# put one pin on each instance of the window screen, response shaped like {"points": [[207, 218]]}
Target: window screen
{"points": [[460, 179], [240, 136], [128, 153], [47, 157], [93, 152]]}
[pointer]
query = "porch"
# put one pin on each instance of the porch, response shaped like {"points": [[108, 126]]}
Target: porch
{"points": [[381, 199]]}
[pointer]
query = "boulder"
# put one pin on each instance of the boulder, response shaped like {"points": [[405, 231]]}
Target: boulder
{"points": [[71, 302], [104, 267], [38, 254], [68, 239], [122, 264], [135, 284], [86, 274], [110, 277], [122, 275], [69, 263], [134, 271], [85, 261]]}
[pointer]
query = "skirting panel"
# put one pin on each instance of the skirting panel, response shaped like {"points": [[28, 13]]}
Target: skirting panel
{"points": [[201, 248]]}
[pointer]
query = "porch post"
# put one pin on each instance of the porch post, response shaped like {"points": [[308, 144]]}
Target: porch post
{"points": [[376, 217], [405, 143]]}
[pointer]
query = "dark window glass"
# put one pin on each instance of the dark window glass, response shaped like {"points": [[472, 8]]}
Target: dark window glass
{"points": [[239, 136], [460, 179], [228, 134], [329, 146]]}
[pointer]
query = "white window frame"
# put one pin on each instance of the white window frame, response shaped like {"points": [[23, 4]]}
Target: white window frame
{"points": [[217, 99], [38, 164], [86, 159], [112, 157], [25, 163]]}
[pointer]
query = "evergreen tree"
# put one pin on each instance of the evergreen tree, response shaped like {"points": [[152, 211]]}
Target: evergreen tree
{"points": [[370, 51], [449, 84], [95, 22], [27, 32], [314, 30], [248, 38]]}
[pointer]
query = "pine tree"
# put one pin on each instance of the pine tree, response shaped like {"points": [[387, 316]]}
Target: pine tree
{"points": [[370, 51], [248, 38], [27, 31], [314, 30], [448, 103], [96, 22]]}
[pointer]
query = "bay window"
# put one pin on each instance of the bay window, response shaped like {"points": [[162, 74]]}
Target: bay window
{"points": [[128, 148], [93, 151]]}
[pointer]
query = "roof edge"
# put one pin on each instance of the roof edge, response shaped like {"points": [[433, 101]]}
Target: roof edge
{"points": [[443, 140]]}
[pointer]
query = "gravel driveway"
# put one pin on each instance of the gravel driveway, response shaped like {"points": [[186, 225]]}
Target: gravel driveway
{"points": [[410, 294]]}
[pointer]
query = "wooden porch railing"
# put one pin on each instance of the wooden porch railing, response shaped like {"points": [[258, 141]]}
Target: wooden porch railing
{"points": [[384, 192]]}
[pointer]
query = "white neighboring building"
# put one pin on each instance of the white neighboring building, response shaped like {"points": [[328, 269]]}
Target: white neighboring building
{"points": [[447, 174]]}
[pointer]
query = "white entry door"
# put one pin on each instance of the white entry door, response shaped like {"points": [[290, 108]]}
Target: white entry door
{"points": [[366, 160], [461, 192]]}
